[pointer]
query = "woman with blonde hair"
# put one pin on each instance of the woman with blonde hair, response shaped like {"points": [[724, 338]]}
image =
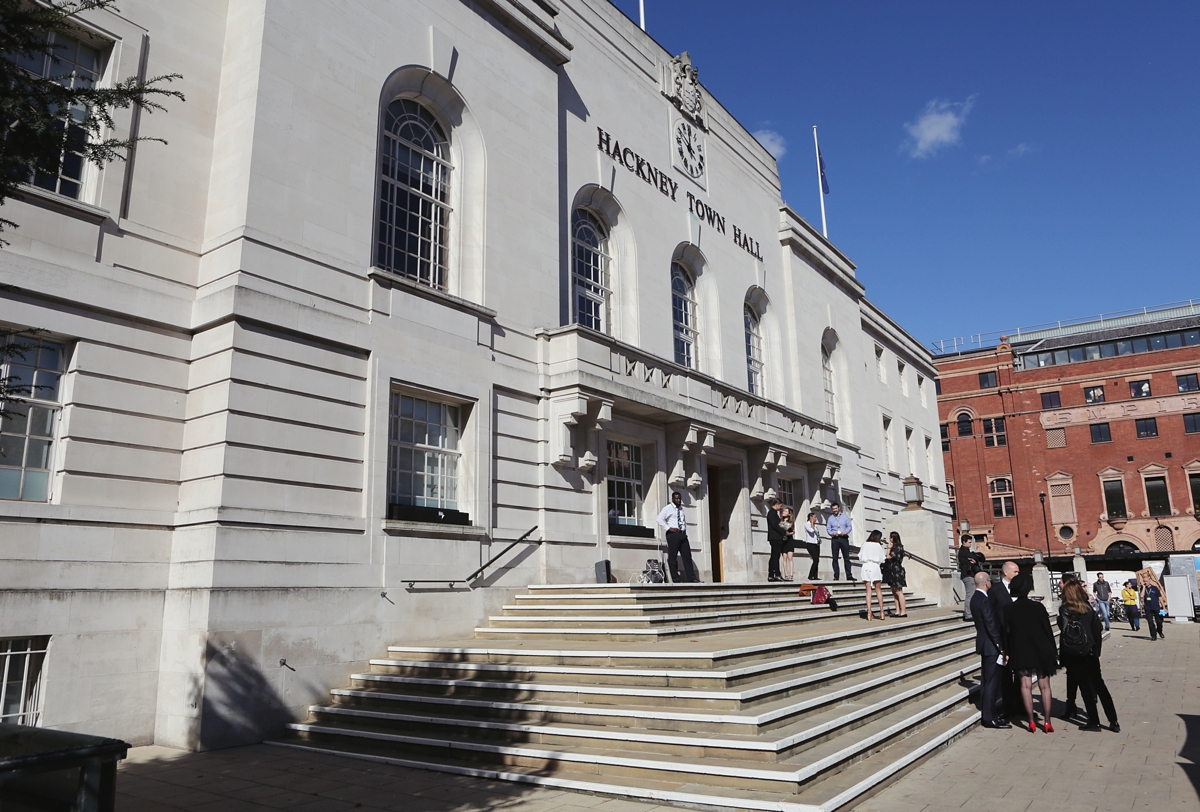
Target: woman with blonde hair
{"points": [[870, 556], [1079, 642]]}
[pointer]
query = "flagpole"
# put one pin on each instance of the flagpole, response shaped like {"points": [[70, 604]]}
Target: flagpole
{"points": [[820, 188]]}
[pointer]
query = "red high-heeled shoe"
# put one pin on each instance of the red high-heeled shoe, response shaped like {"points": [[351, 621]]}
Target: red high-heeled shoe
{"points": [[1049, 728], [1032, 726]]}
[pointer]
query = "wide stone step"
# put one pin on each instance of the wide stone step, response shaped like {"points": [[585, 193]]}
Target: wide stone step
{"points": [[664, 673], [645, 607], [665, 595]]}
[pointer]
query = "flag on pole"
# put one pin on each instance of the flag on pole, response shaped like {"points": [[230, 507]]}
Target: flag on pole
{"points": [[824, 181]]}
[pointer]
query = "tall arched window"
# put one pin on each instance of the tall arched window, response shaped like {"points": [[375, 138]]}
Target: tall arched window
{"points": [[414, 192], [589, 271], [964, 425], [827, 376], [754, 350], [683, 316]]}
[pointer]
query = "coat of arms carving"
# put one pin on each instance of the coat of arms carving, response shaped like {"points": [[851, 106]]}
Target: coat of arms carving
{"points": [[681, 84]]}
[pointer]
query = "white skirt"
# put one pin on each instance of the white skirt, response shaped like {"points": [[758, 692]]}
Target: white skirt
{"points": [[871, 572]]}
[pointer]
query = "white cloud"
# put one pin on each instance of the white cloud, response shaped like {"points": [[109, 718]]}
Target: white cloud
{"points": [[1020, 150], [984, 160], [939, 124], [772, 142]]}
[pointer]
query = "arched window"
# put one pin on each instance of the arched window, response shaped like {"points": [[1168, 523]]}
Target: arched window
{"points": [[683, 316], [589, 271], [964, 425], [414, 191], [754, 350], [827, 377]]}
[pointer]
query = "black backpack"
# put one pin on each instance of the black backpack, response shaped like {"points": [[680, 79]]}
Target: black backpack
{"points": [[1074, 637]]}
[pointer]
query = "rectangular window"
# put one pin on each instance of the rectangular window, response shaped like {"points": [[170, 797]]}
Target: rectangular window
{"points": [[21, 679], [993, 432], [1141, 345], [1191, 423], [1100, 433], [953, 503], [1108, 350], [1002, 498], [987, 380], [1191, 337], [33, 371], [787, 493], [1114, 499], [1188, 383], [1076, 354], [1062, 503], [74, 65], [1056, 438], [624, 483], [1051, 400], [1157, 499], [937, 386], [423, 452], [1093, 394], [1194, 486], [1146, 427], [1139, 389], [945, 429]]}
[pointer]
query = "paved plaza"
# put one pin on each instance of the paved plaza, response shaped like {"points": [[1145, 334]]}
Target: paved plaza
{"points": [[1153, 764]]}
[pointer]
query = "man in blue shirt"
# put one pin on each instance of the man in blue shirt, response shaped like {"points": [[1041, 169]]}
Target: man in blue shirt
{"points": [[839, 527]]}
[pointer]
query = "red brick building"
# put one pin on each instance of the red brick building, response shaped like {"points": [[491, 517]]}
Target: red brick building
{"points": [[1100, 416]]}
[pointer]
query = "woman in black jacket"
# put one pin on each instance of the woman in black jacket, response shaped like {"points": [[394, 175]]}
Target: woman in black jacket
{"points": [[894, 575], [1081, 657], [1031, 648]]}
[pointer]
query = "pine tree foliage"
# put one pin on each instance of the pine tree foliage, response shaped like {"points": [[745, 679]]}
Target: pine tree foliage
{"points": [[45, 117]]}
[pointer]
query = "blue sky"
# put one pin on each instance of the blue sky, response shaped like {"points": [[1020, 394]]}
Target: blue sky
{"points": [[992, 165]]}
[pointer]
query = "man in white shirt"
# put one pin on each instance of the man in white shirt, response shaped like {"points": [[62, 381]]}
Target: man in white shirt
{"points": [[672, 520]]}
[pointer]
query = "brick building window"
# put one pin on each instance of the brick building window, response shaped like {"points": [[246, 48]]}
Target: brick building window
{"points": [[945, 429], [1194, 487], [1093, 394], [937, 386], [1157, 498], [1002, 497], [987, 380], [1188, 383], [1051, 400], [964, 425], [1139, 389], [1100, 433], [1062, 502], [1056, 438], [1114, 499], [993, 432], [1191, 423], [1146, 427]]}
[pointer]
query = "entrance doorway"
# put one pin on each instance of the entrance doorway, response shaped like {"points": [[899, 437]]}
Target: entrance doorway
{"points": [[716, 531]]}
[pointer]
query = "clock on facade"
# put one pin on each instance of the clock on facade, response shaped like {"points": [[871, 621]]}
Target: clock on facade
{"points": [[689, 148]]}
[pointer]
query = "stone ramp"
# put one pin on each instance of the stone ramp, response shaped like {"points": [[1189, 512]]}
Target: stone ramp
{"points": [[724, 696]]}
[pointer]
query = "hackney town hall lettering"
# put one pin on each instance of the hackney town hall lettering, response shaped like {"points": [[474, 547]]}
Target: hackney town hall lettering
{"points": [[660, 180]]}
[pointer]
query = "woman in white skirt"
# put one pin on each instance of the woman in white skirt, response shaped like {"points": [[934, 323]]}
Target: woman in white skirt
{"points": [[870, 556]]}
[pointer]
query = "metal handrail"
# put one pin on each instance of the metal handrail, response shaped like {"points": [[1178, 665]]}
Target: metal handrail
{"points": [[940, 570], [451, 582]]}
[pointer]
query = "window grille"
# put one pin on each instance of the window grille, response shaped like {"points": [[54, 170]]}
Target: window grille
{"points": [[827, 379], [33, 371], [683, 316], [423, 453], [1164, 539], [624, 483], [994, 433], [73, 65], [1062, 503], [589, 271], [1002, 497], [21, 679], [1056, 438], [754, 350], [414, 190]]}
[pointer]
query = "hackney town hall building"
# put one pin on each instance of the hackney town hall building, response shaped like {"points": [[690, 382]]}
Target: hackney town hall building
{"points": [[403, 285]]}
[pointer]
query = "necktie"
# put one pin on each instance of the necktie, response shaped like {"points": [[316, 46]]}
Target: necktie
{"points": [[679, 518]]}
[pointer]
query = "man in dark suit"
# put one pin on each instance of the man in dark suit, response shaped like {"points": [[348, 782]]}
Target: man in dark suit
{"points": [[1000, 600], [777, 538], [989, 644]]}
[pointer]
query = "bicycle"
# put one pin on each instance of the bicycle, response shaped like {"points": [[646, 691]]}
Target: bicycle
{"points": [[652, 574]]}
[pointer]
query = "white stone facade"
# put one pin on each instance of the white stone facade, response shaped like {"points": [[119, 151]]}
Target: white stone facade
{"points": [[219, 482]]}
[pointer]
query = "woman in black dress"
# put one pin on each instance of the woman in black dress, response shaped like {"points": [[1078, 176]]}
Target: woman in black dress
{"points": [[1031, 650], [894, 575], [1080, 641]]}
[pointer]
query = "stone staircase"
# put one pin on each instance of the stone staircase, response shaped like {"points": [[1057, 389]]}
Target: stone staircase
{"points": [[735, 696]]}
